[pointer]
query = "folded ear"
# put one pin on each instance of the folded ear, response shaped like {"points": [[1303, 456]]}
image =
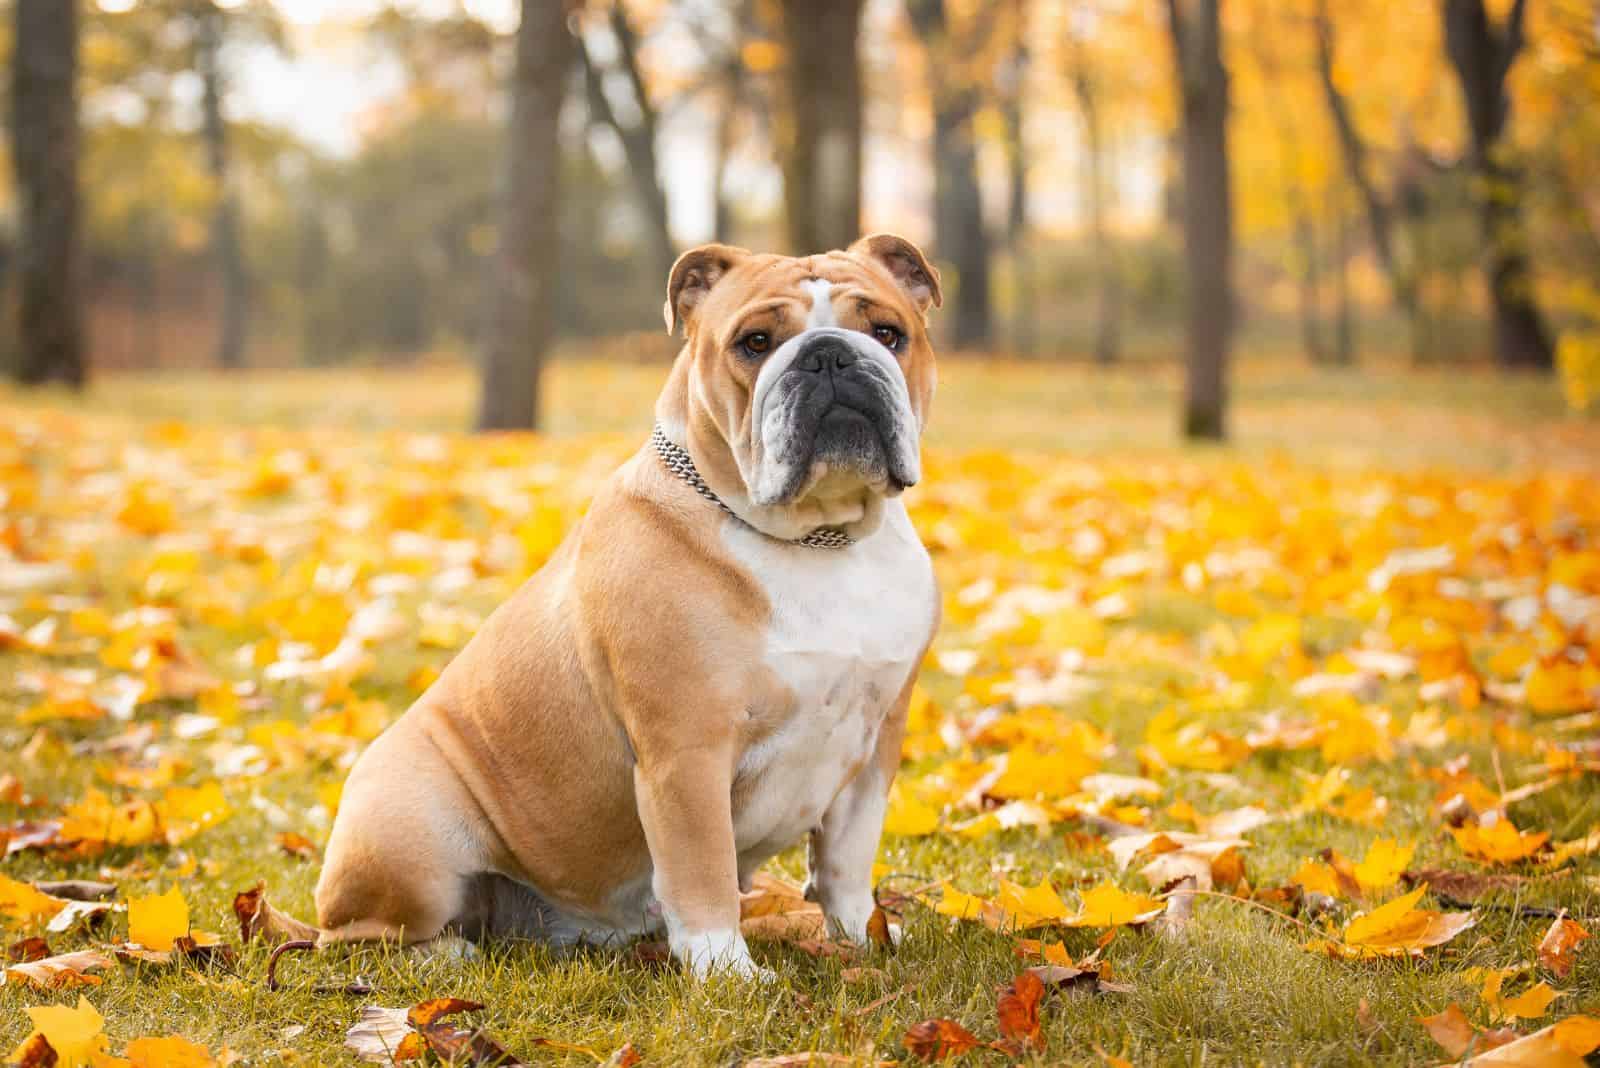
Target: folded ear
{"points": [[692, 278], [905, 261]]}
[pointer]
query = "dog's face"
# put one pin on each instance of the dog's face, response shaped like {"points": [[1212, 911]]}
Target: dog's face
{"points": [[812, 375]]}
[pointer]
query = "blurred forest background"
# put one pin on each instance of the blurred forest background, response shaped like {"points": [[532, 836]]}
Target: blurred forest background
{"points": [[298, 183]]}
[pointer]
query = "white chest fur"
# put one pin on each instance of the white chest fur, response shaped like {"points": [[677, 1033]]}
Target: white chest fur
{"points": [[846, 630]]}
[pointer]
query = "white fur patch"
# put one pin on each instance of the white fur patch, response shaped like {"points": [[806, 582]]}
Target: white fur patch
{"points": [[821, 313], [847, 627], [708, 951]]}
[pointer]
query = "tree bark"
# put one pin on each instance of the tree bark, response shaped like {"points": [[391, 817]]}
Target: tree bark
{"points": [[960, 237], [1207, 212], [638, 141], [45, 140], [526, 261], [1482, 54], [1108, 333], [821, 141], [1380, 214], [225, 242], [1024, 327]]}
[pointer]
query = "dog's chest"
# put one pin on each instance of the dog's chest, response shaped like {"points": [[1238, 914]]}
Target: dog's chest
{"points": [[844, 636]]}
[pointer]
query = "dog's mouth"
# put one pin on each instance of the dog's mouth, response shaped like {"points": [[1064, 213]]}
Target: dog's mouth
{"points": [[837, 433]]}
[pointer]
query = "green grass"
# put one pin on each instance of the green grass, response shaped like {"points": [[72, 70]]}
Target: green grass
{"points": [[1237, 989]]}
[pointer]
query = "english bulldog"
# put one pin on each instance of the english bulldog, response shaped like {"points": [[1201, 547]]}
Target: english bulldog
{"points": [[715, 663]]}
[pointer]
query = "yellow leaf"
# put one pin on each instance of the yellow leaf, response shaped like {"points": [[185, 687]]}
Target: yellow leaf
{"points": [[169, 1052], [1383, 864], [1024, 906], [1399, 928], [1315, 877], [1108, 905], [23, 904], [909, 816], [963, 906], [155, 922], [73, 1033], [1499, 842]]}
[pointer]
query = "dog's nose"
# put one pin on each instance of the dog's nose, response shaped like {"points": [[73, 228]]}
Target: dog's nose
{"points": [[826, 353]]}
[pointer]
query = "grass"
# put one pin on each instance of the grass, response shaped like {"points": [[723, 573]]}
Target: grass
{"points": [[1237, 989]]}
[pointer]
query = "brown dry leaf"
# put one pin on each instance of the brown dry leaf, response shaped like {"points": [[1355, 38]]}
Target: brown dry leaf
{"points": [[425, 1013], [1018, 1010], [938, 1040], [1559, 947], [60, 972], [1455, 1034], [1467, 886], [256, 916], [775, 910], [28, 949], [860, 976], [36, 1052]]}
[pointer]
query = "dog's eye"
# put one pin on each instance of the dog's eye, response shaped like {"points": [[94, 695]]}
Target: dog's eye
{"points": [[890, 337], [758, 343]]}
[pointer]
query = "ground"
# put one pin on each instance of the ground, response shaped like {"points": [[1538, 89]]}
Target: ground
{"points": [[1371, 616]]}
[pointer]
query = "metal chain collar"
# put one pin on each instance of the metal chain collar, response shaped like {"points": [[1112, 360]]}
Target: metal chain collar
{"points": [[677, 461]]}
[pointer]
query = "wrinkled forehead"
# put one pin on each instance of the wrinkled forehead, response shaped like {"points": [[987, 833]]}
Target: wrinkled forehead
{"points": [[767, 278]]}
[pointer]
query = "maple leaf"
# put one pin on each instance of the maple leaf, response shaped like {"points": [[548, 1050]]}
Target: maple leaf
{"points": [[1384, 862], [73, 1033], [1559, 947], [938, 1040], [157, 921], [62, 971], [1454, 1032], [1108, 905], [1018, 1010], [1566, 1044], [24, 904], [170, 1052], [1396, 929], [1498, 842], [1023, 907]]}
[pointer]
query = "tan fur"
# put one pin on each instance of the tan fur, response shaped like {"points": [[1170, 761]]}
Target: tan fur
{"points": [[590, 732]]}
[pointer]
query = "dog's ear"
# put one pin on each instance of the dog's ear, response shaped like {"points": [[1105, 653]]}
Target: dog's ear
{"points": [[692, 278], [918, 277]]}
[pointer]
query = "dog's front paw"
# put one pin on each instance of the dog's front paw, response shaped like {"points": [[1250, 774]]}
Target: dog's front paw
{"points": [[849, 916], [710, 952]]}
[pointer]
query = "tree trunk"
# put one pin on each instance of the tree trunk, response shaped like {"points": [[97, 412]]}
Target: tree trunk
{"points": [[225, 241], [821, 144], [1108, 332], [1344, 330], [1380, 214], [1207, 212], [527, 257], [959, 235], [45, 137], [1482, 54], [1024, 328], [638, 141]]}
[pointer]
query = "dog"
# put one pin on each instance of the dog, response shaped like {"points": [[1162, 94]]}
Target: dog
{"points": [[715, 663]]}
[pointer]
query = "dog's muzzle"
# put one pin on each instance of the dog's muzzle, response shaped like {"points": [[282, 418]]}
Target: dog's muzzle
{"points": [[836, 403]]}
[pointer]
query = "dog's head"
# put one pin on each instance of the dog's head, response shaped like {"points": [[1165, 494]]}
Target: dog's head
{"points": [[804, 382]]}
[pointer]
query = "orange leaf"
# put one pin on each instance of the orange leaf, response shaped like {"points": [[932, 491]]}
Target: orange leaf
{"points": [[1559, 946], [938, 1040], [1018, 1009]]}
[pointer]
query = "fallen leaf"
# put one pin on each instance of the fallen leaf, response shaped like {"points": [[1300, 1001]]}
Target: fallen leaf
{"points": [[1018, 1010], [170, 1052], [1396, 929], [377, 1035], [1108, 905], [1559, 947], [63, 971], [158, 921], [1455, 1034], [1562, 1045], [938, 1040], [73, 1033], [28, 949]]}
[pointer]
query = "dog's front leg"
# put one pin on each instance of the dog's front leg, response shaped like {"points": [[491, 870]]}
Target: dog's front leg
{"points": [[685, 805], [845, 843]]}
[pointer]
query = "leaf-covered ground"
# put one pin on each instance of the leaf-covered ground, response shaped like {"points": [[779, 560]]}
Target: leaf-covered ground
{"points": [[1360, 672]]}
